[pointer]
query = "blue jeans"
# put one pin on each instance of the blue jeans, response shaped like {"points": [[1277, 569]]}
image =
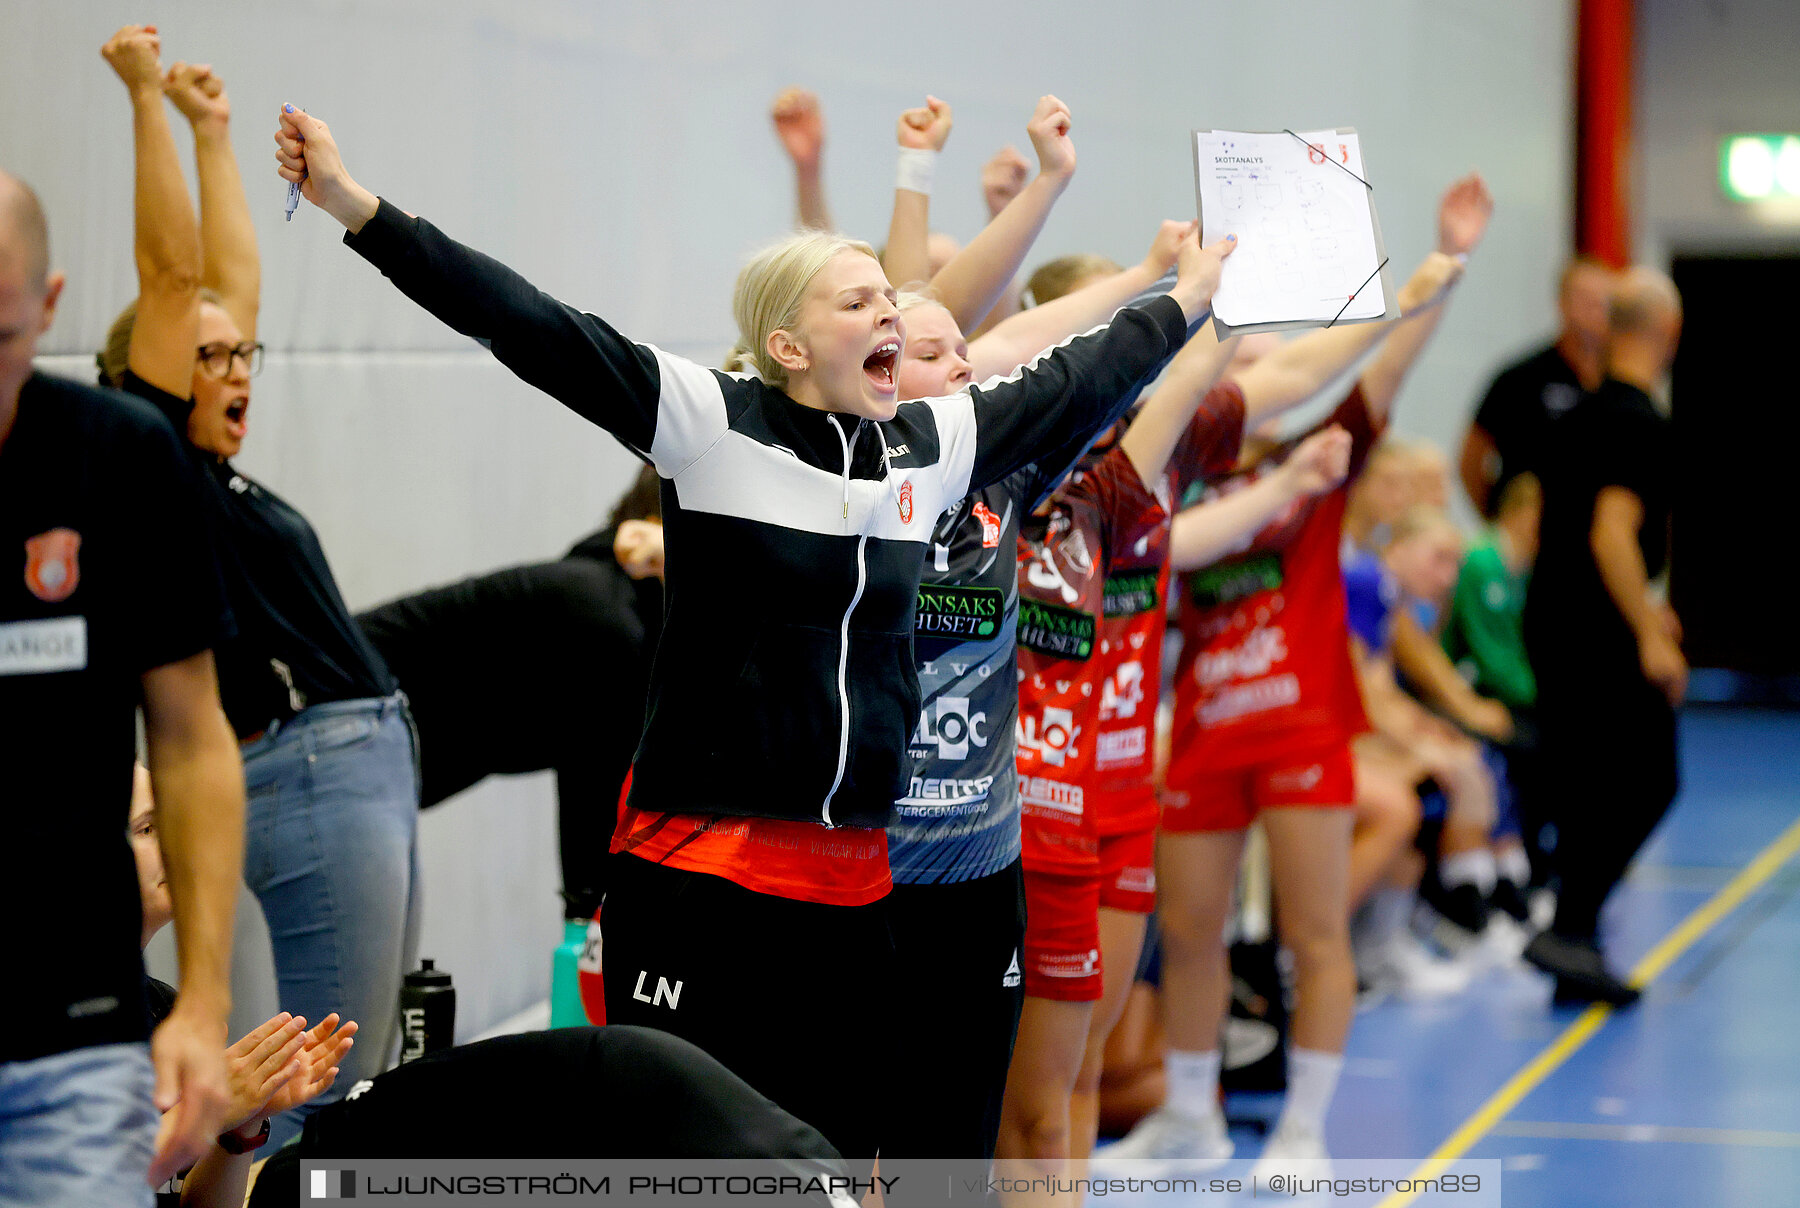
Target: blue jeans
{"points": [[77, 1128], [331, 852]]}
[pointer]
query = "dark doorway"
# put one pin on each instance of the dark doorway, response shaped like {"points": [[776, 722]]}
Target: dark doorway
{"points": [[1736, 406]]}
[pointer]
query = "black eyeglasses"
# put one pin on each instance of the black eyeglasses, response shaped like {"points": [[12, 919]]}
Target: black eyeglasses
{"points": [[216, 359]]}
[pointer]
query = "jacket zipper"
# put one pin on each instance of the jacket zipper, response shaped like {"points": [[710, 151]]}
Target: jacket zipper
{"points": [[844, 630]]}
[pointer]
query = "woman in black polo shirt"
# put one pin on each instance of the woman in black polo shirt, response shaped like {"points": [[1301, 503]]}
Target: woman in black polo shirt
{"points": [[332, 798]]}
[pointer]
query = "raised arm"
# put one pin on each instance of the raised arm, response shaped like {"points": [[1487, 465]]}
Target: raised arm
{"points": [[199, 787], [1304, 366], [973, 281], [657, 404], [231, 265], [1074, 389], [1208, 531], [921, 133], [1157, 429], [1026, 334], [1462, 220], [1002, 179], [166, 242], [800, 125]]}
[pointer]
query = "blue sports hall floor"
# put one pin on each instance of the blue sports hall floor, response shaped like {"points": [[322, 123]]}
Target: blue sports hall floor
{"points": [[1691, 1098]]}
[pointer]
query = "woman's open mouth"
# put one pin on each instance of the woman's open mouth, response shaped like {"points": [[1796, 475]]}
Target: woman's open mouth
{"points": [[880, 365], [234, 417]]}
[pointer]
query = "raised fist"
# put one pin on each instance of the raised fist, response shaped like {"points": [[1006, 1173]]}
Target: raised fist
{"points": [[1002, 177], [1049, 130], [1166, 247], [197, 92], [135, 53], [1320, 462], [799, 124], [926, 128]]}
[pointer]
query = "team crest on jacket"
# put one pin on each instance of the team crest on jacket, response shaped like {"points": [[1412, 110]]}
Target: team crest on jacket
{"points": [[990, 525], [906, 502], [51, 569]]}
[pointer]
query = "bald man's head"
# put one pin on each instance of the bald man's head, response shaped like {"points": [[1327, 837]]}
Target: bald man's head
{"points": [[1644, 300], [24, 236]]}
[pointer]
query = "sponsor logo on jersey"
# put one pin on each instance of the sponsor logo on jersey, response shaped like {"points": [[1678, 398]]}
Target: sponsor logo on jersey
{"points": [[1122, 746], [1123, 691], [52, 570], [1063, 633], [1051, 737], [1251, 658], [1298, 780], [1136, 879], [1068, 964], [971, 612], [906, 505], [1258, 696], [990, 525], [937, 797], [1051, 794], [36, 647], [1131, 592], [1013, 974], [951, 726], [1233, 581]]}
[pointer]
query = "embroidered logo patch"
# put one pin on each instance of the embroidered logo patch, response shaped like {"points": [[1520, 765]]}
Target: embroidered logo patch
{"points": [[990, 525], [906, 508], [52, 571]]}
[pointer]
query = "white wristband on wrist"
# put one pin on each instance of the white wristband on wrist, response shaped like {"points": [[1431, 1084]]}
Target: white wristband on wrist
{"points": [[915, 170]]}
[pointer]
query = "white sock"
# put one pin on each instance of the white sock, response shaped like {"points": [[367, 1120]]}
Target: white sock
{"points": [[1193, 1082], [1311, 1080], [1513, 865], [1475, 868]]}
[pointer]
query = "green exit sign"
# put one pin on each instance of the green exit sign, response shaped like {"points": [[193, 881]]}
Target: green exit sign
{"points": [[1757, 167]]}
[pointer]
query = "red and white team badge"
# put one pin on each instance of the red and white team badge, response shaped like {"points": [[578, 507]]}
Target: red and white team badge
{"points": [[990, 525], [51, 569], [906, 502]]}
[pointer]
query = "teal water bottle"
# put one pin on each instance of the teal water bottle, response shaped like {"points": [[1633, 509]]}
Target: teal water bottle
{"points": [[566, 1010]]}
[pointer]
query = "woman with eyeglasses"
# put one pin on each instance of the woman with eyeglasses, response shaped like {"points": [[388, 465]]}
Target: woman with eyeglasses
{"points": [[331, 826]]}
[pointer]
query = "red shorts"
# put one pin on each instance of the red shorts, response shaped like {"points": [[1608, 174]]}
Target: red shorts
{"points": [[1062, 936], [1128, 871], [1231, 800]]}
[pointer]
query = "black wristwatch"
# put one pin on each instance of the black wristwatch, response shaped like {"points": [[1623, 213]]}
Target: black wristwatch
{"points": [[231, 1143]]}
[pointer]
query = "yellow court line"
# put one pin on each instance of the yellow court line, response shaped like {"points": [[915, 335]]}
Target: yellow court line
{"points": [[1653, 964]]}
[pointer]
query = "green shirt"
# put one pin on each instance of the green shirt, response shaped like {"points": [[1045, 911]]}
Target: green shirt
{"points": [[1485, 631]]}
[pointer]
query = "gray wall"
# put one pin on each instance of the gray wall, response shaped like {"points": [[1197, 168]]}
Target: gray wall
{"points": [[621, 156], [1706, 71]]}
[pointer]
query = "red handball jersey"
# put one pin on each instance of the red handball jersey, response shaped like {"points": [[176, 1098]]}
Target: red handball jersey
{"points": [[1122, 793], [1064, 562], [1265, 659]]}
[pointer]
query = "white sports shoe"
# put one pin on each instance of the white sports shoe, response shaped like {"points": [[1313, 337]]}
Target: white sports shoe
{"points": [[1294, 1150], [1404, 963], [1165, 1134]]}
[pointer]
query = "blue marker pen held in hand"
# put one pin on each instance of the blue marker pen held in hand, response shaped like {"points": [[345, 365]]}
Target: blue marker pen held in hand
{"points": [[293, 193]]}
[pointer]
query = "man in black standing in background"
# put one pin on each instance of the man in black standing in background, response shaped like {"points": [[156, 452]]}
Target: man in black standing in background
{"points": [[109, 600], [1511, 428], [1605, 649]]}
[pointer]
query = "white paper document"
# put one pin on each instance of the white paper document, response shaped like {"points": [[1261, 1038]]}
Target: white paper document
{"points": [[1309, 249]]}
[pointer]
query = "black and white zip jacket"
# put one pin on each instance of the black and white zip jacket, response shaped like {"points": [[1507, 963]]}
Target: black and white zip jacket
{"points": [[784, 686]]}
